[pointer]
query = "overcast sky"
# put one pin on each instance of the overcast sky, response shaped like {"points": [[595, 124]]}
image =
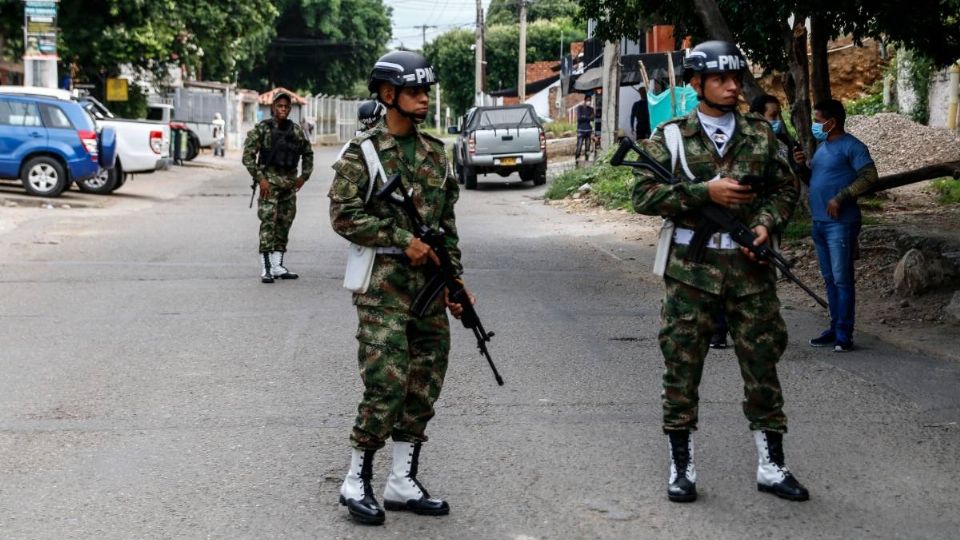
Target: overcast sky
{"points": [[408, 15]]}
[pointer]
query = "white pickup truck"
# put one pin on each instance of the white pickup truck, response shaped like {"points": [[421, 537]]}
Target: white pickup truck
{"points": [[142, 146], [200, 133]]}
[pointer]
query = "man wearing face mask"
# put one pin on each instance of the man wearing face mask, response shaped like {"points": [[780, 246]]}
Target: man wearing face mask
{"points": [[710, 149], [402, 358], [841, 170]]}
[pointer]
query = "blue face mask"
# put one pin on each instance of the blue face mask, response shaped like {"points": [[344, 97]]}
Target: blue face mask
{"points": [[818, 133], [777, 126]]}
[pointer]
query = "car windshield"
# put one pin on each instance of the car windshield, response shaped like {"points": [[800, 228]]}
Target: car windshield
{"points": [[505, 118]]}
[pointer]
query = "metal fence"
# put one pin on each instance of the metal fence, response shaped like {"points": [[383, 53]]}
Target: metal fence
{"points": [[335, 118]]}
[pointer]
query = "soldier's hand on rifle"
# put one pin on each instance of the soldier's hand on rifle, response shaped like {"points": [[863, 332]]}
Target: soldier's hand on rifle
{"points": [[456, 309], [419, 252], [799, 157], [264, 188], [762, 236], [728, 192], [299, 183]]}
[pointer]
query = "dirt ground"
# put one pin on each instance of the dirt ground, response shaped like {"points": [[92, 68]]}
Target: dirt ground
{"points": [[910, 322]]}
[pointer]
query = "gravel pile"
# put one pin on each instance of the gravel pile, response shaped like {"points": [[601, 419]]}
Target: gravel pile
{"points": [[898, 144]]}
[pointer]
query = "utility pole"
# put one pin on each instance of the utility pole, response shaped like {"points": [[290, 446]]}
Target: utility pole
{"points": [[522, 76], [478, 50], [423, 28], [611, 93]]}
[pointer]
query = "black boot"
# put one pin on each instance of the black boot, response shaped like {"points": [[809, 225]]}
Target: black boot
{"points": [[356, 493], [683, 475], [404, 491], [266, 276], [772, 474]]}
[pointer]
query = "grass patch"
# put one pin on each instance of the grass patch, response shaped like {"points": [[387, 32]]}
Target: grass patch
{"points": [[610, 186], [558, 127], [948, 190], [797, 228], [873, 203]]}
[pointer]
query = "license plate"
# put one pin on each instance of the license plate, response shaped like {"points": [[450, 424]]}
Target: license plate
{"points": [[508, 161]]}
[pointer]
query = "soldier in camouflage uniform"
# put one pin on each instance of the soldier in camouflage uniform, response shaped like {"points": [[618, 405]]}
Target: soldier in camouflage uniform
{"points": [[720, 146], [271, 153], [402, 358]]}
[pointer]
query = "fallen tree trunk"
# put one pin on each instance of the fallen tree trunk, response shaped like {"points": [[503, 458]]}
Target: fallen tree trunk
{"points": [[890, 181]]}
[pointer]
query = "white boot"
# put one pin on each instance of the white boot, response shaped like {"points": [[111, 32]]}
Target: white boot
{"points": [[356, 493], [276, 266], [772, 473], [404, 491], [266, 275]]}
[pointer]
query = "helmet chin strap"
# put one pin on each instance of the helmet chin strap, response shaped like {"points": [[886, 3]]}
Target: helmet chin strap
{"points": [[416, 118], [720, 107]]}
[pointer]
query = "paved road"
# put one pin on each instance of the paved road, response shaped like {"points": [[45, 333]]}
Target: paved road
{"points": [[152, 387]]}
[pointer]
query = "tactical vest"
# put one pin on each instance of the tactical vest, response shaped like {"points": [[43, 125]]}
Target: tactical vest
{"points": [[284, 151]]}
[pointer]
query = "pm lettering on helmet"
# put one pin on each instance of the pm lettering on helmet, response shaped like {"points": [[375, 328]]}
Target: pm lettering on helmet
{"points": [[729, 62], [425, 75]]}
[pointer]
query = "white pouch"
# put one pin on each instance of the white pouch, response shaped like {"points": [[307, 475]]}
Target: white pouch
{"points": [[360, 259], [674, 142]]}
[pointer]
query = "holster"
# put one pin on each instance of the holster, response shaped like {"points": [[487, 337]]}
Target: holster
{"points": [[664, 243]]}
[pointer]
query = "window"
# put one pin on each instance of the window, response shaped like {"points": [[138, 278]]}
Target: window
{"points": [[54, 117], [19, 113], [154, 113]]}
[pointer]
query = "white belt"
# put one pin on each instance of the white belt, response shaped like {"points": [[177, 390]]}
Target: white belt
{"points": [[716, 241], [389, 251]]}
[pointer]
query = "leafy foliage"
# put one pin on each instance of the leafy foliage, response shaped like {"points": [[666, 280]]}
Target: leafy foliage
{"points": [[610, 186], [949, 190], [452, 56], [323, 45], [508, 11]]}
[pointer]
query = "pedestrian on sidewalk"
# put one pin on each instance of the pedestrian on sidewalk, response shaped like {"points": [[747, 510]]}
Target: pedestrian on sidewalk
{"points": [[272, 152], [841, 170], [403, 358], [585, 116], [716, 142], [218, 134]]}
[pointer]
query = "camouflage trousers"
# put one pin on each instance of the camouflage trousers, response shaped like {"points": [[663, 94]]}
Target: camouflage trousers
{"points": [[759, 337], [403, 361], [276, 212]]}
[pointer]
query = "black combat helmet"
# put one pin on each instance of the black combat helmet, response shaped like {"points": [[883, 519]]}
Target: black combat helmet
{"points": [[401, 69], [370, 112], [713, 57]]}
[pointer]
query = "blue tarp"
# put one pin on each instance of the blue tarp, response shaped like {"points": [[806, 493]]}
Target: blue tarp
{"points": [[685, 100]]}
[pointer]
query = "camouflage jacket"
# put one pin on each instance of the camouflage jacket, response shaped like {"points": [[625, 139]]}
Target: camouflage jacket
{"points": [[394, 283], [753, 150], [260, 139]]}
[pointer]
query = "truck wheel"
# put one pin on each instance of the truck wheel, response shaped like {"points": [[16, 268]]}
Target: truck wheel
{"points": [[193, 146], [527, 173], [458, 171], [540, 176], [469, 177], [44, 176], [104, 182]]}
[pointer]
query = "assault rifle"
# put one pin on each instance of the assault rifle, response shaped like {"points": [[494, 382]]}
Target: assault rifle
{"points": [[445, 276], [718, 218]]}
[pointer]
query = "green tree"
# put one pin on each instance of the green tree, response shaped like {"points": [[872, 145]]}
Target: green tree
{"points": [[453, 60], [323, 45], [508, 11]]}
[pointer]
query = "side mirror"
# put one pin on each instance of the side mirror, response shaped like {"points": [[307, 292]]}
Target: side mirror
{"points": [[453, 130]]}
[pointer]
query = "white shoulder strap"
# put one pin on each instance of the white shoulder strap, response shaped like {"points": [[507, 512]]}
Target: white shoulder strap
{"points": [[671, 136], [374, 167]]}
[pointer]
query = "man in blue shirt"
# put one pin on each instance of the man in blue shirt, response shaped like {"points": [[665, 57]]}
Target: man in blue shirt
{"points": [[841, 170]]}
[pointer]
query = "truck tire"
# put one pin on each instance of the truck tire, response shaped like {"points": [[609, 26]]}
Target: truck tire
{"points": [[103, 183], [469, 177], [458, 170], [540, 176], [44, 176], [193, 146]]}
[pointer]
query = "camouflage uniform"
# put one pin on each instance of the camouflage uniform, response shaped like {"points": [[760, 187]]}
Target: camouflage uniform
{"points": [[277, 210], [402, 359], [726, 280]]}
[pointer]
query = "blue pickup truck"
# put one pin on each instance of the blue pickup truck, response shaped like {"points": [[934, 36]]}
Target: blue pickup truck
{"points": [[49, 143]]}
